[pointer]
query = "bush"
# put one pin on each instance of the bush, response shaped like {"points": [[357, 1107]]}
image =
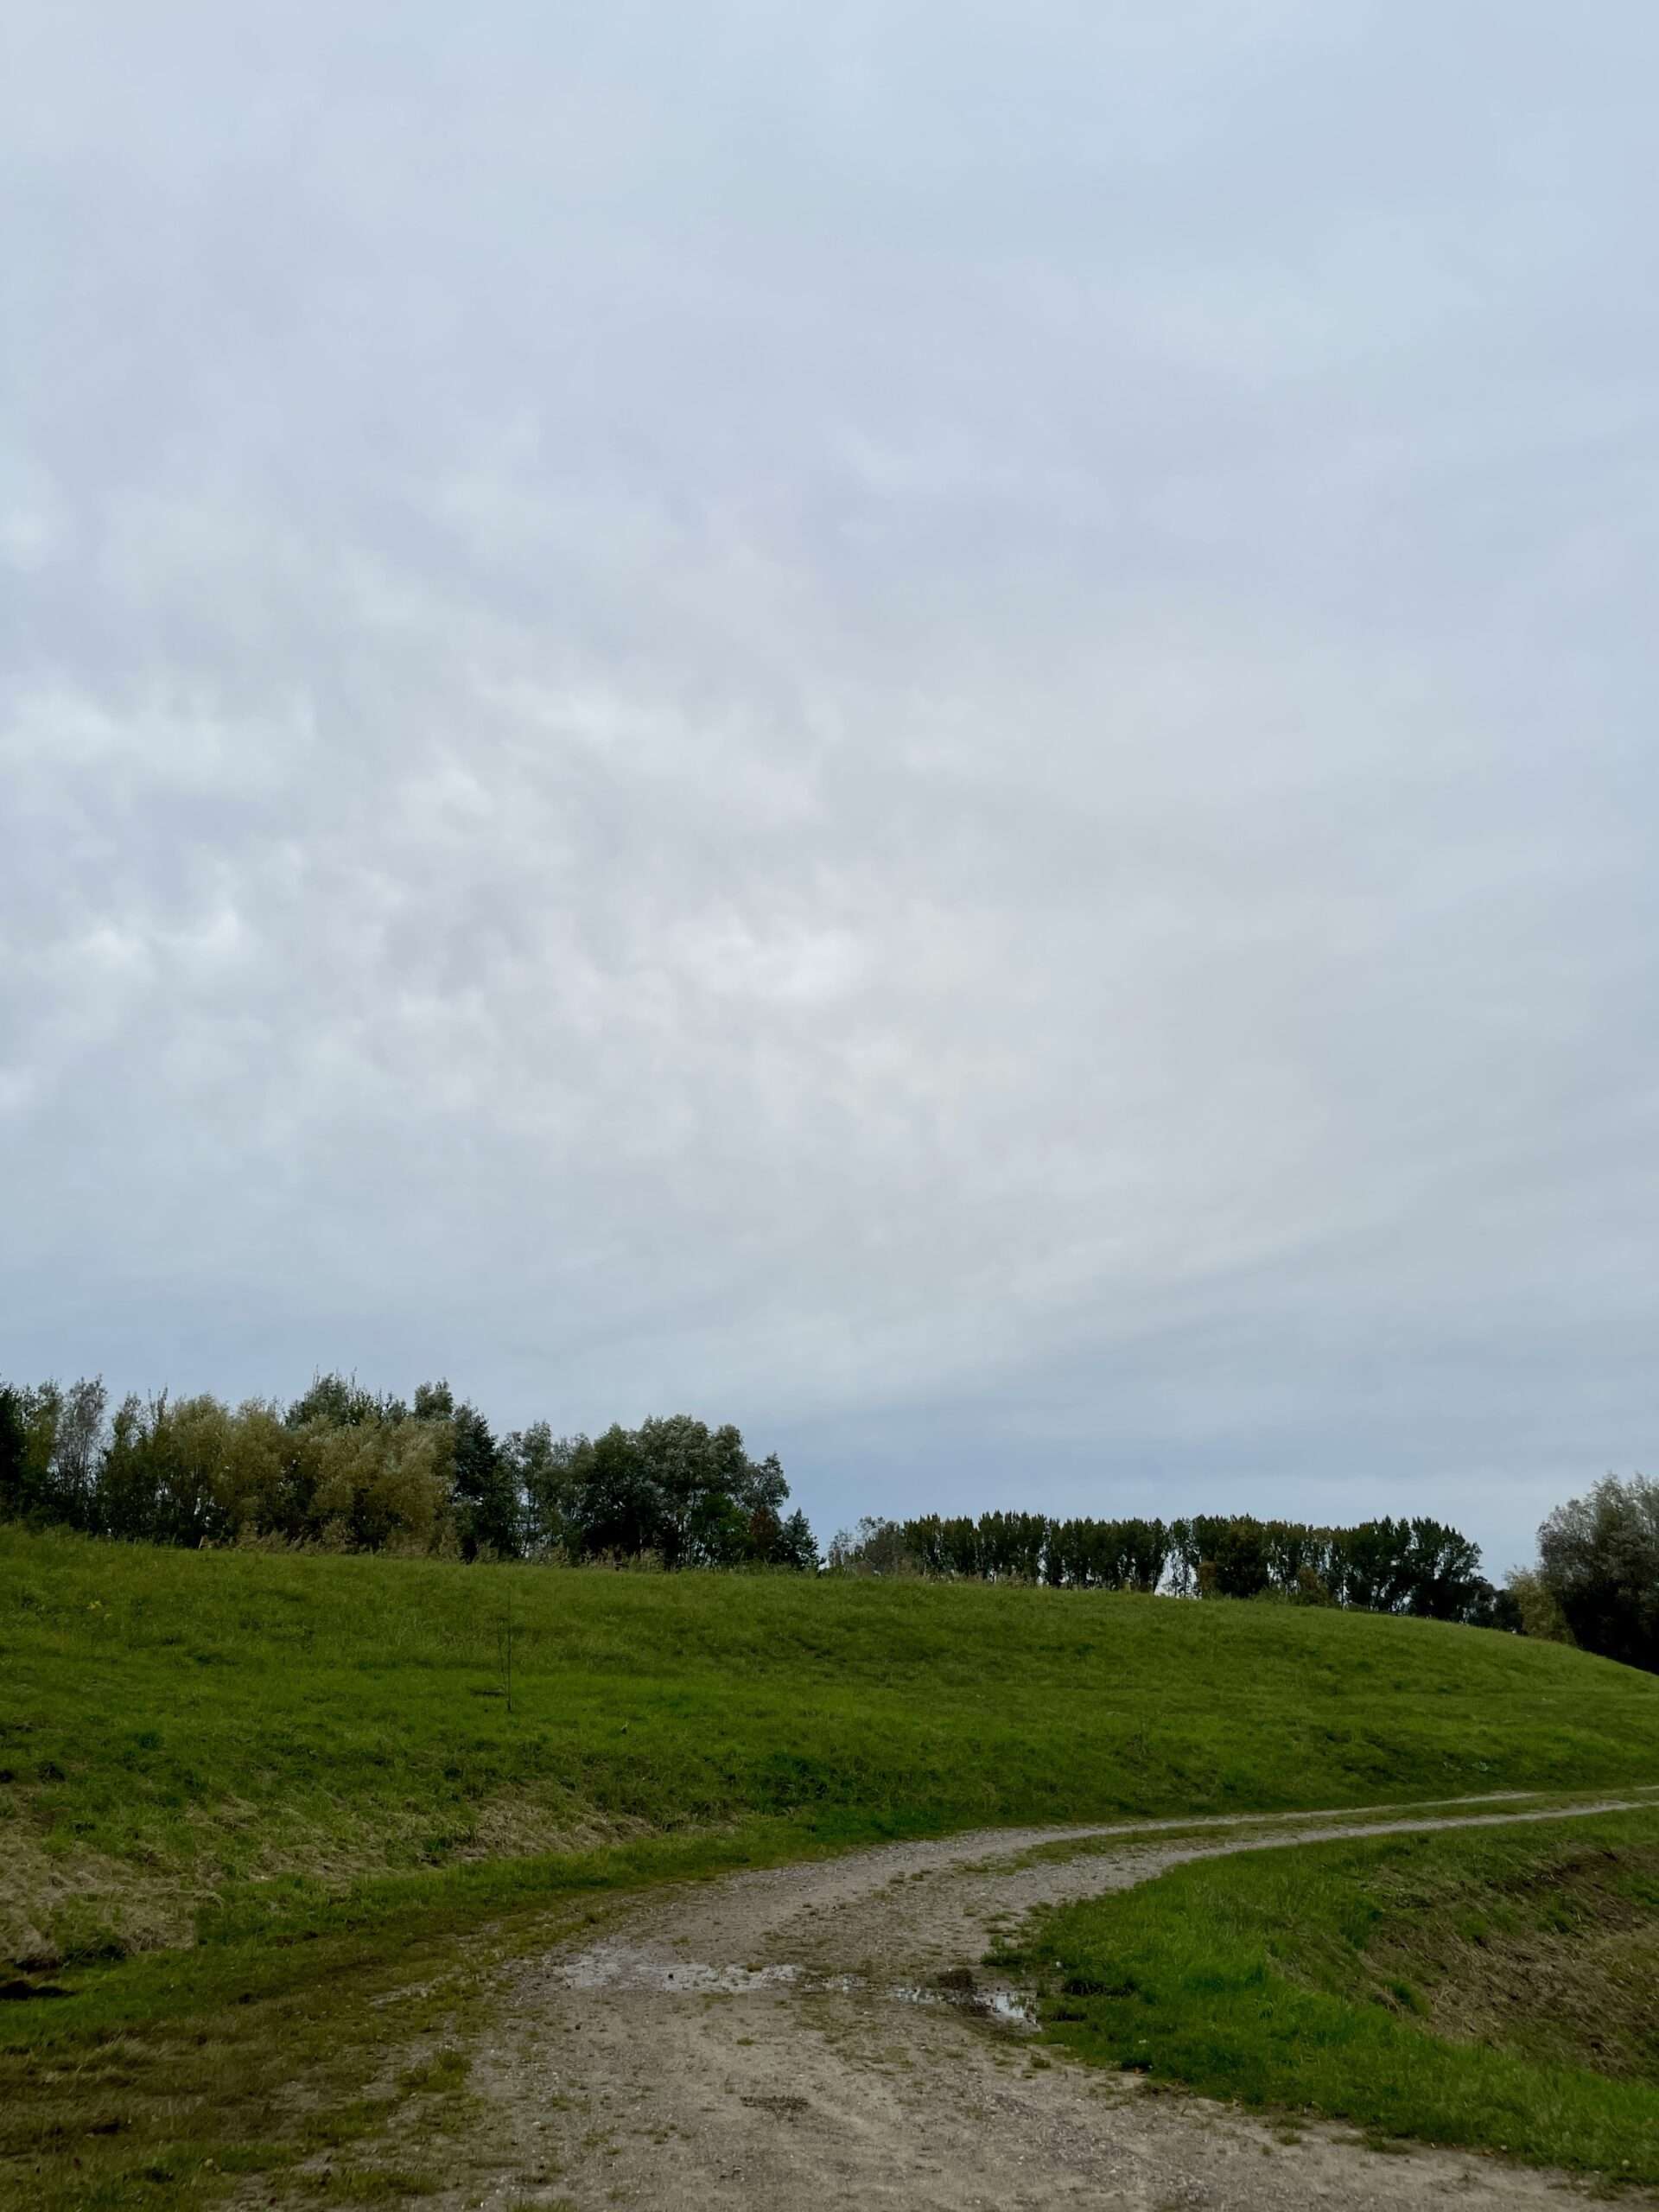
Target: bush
{"points": [[1541, 1617]]}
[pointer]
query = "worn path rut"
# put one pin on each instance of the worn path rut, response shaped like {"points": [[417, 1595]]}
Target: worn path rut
{"points": [[782, 2039]]}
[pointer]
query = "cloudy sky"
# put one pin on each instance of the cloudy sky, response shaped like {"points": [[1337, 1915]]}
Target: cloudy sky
{"points": [[931, 725]]}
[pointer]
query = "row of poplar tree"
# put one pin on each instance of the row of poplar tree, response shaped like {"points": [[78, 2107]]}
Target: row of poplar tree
{"points": [[1416, 1566]]}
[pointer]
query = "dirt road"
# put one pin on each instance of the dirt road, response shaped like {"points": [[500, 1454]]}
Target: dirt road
{"points": [[784, 2039]]}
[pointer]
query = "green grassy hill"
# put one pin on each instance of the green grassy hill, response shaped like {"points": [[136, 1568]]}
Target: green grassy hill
{"points": [[191, 1741], [246, 1800]]}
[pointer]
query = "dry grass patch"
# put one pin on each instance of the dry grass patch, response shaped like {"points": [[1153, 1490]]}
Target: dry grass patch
{"points": [[1561, 1964], [65, 1902]]}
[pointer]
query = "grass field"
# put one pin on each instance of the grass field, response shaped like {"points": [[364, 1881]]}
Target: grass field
{"points": [[1496, 1989], [246, 1796]]}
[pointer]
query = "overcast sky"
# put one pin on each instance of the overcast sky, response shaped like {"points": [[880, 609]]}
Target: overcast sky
{"points": [[931, 724]]}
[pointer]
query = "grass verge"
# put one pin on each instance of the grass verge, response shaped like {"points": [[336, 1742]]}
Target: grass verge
{"points": [[163, 2080], [1495, 1989]]}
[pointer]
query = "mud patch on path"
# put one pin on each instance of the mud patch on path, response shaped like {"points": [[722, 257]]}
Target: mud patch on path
{"points": [[626, 1966]]}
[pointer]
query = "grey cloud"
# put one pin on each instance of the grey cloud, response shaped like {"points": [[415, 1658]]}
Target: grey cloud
{"points": [[931, 726]]}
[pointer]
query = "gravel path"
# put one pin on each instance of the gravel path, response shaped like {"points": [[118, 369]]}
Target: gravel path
{"points": [[783, 2039]]}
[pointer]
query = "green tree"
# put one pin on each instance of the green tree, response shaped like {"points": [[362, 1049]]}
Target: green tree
{"points": [[77, 1452], [1541, 1617], [126, 1485], [434, 1402], [619, 1508], [338, 1401], [486, 1496], [1011, 1546], [164, 1473], [41, 1462], [1444, 1574], [1233, 1558], [543, 1468], [14, 1447], [1373, 1569], [877, 1546], [1484, 1605], [795, 1546], [1598, 1559]]}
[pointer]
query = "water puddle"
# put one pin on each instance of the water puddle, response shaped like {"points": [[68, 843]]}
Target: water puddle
{"points": [[622, 1966], [618, 1966], [1011, 2008]]}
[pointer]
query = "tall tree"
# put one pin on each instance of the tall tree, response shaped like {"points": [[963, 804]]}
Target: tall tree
{"points": [[77, 1452], [338, 1400], [619, 1507], [487, 1516], [14, 1447], [1599, 1560], [542, 1469]]}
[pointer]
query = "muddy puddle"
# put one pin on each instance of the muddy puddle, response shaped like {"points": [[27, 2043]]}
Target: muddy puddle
{"points": [[620, 1966], [1010, 2008], [625, 1967]]}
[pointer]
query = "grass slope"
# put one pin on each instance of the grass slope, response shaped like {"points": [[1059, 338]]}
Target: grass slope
{"points": [[191, 1738], [1496, 1989], [243, 1798]]}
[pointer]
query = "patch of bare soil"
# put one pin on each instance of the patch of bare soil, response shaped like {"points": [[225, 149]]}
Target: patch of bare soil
{"points": [[825, 2036]]}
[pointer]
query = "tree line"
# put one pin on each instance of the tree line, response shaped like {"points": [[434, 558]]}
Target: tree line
{"points": [[346, 1470], [1416, 1566], [342, 1468]]}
